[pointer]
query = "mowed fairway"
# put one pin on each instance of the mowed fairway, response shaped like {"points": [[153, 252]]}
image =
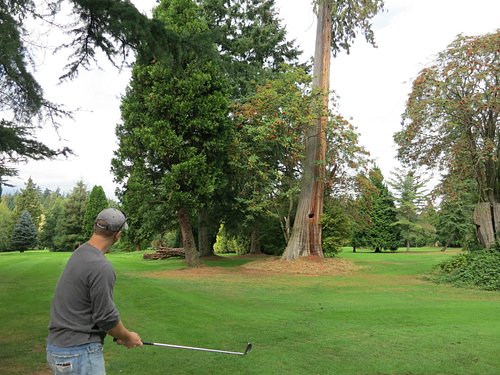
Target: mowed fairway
{"points": [[384, 318]]}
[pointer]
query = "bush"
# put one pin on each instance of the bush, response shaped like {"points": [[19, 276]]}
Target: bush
{"points": [[478, 269], [336, 228], [227, 243]]}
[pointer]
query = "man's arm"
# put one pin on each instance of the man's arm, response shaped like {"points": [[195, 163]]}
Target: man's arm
{"points": [[124, 336]]}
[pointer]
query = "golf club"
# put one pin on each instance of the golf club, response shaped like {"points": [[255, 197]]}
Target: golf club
{"points": [[247, 349]]}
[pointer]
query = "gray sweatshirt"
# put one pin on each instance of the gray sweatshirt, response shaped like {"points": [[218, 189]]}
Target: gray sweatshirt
{"points": [[83, 309]]}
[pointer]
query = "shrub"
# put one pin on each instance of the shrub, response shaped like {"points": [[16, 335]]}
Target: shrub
{"points": [[478, 269]]}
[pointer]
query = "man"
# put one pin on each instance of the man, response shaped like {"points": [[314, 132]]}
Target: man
{"points": [[82, 310]]}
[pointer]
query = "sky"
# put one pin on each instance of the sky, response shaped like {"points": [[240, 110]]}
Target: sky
{"points": [[372, 84]]}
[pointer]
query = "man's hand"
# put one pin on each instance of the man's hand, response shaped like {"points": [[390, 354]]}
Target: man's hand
{"points": [[133, 340]]}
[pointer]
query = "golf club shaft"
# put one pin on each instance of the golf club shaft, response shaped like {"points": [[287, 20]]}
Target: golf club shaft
{"points": [[247, 349], [191, 348]]}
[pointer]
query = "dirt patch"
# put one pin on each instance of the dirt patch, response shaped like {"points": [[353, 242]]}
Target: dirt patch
{"points": [[269, 265], [312, 266]]}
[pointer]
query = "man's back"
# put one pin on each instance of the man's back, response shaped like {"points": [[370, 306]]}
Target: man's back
{"points": [[82, 309]]}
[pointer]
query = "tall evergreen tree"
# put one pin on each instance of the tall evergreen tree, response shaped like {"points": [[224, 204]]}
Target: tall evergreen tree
{"points": [[409, 194], [250, 39], [70, 229], [96, 203], [383, 231], [175, 129], [24, 234], [29, 200]]}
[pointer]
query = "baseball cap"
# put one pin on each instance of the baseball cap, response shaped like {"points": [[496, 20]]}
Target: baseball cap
{"points": [[115, 220]]}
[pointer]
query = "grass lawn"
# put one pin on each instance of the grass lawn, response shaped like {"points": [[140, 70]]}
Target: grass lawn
{"points": [[384, 318]]}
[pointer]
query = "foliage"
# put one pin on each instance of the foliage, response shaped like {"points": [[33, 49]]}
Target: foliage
{"points": [[455, 224], [24, 234], [345, 157], [29, 200], [349, 17], [409, 190], [175, 131], [17, 145], [268, 147], [226, 243], [70, 229], [452, 114], [383, 232], [7, 222], [251, 41], [479, 269], [336, 227], [51, 233], [96, 203], [114, 27]]}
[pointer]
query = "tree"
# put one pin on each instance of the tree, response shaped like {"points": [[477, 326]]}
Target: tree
{"points": [[24, 233], [114, 27], [70, 229], [338, 21], [7, 222], [175, 129], [409, 195], [251, 41], [29, 200], [455, 224], [451, 120], [268, 151], [382, 233], [96, 203], [51, 235]]}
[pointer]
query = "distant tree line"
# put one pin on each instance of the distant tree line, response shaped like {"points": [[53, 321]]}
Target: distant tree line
{"points": [[36, 219]]}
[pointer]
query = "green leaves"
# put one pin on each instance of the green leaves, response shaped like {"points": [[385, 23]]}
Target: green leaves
{"points": [[452, 114], [350, 17]]}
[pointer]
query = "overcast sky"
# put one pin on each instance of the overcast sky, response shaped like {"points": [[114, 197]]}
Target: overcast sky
{"points": [[372, 83]]}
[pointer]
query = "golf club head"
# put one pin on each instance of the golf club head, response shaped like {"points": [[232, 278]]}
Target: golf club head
{"points": [[248, 348]]}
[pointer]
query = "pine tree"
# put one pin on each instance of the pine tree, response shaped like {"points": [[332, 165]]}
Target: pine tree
{"points": [[29, 200], [383, 232], [24, 234], [410, 199], [96, 203], [70, 228]]}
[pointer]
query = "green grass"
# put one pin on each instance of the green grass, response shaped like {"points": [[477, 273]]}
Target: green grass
{"points": [[385, 318]]}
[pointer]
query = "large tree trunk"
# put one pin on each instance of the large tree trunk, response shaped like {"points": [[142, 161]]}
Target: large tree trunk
{"points": [[192, 258], [306, 234], [205, 245], [255, 241], [487, 220]]}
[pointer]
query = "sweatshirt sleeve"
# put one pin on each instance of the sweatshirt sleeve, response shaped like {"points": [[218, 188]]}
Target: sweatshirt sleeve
{"points": [[104, 313]]}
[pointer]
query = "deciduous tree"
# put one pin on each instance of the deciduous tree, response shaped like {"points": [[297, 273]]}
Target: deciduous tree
{"points": [[452, 119]]}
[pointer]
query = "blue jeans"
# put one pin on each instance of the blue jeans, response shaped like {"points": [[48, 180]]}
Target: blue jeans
{"points": [[85, 359]]}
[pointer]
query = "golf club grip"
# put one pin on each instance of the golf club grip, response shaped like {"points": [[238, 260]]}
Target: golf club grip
{"points": [[143, 343]]}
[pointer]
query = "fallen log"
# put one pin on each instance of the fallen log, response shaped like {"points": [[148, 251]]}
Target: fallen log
{"points": [[166, 252]]}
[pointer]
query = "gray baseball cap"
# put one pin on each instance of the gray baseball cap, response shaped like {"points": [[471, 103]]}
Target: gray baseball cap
{"points": [[115, 220]]}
